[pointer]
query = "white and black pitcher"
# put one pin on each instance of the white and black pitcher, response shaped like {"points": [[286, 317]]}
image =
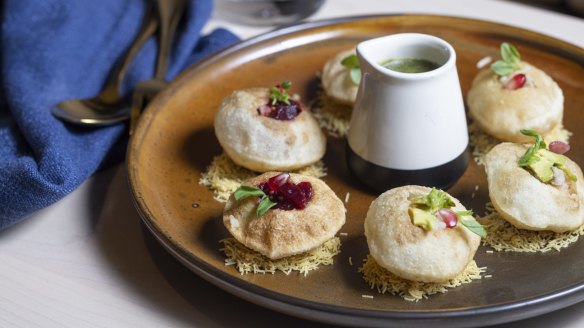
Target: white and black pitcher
{"points": [[408, 124]]}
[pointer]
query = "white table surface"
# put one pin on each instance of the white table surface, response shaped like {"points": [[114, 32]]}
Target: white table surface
{"points": [[87, 261]]}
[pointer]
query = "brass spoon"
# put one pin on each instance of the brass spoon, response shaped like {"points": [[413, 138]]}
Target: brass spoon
{"points": [[108, 107]]}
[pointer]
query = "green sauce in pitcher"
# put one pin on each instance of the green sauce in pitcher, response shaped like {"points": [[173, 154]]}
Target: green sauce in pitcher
{"points": [[410, 65]]}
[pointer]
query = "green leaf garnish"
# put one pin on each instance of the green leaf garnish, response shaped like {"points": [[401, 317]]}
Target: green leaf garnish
{"points": [[473, 225], [464, 213], [439, 199], [433, 201], [502, 68], [265, 203], [540, 161], [510, 54], [567, 172], [355, 74], [529, 156], [280, 93], [246, 191], [510, 60], [352, 63]]}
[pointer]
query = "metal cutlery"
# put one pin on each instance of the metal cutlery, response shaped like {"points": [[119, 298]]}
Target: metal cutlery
{"points": [[170, 13], [108, 107]]}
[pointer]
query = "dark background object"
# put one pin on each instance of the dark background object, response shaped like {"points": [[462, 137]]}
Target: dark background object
{"points": [[266, 12], [569, 7]]}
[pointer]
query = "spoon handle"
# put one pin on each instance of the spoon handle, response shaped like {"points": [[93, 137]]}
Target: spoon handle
{"points": [[149, 26], [170, 13]]}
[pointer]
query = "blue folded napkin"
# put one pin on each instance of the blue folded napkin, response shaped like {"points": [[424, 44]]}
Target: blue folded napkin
{"points": [[53, 50]]}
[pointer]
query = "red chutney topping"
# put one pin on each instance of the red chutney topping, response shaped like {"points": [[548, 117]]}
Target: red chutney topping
{"points": [[287, 194], [280, 106]]}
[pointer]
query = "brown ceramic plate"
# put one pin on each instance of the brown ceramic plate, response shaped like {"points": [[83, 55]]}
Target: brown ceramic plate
{"points": [[174, 143]]}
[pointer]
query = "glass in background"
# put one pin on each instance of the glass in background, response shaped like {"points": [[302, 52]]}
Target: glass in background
{"points": [[266, 12]]}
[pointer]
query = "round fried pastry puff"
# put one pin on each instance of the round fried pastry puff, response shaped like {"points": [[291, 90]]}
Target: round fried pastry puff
{"points": [[409, 251], [261, 143], [525, 201], [538, 105], [280, 233], [336, 80]]}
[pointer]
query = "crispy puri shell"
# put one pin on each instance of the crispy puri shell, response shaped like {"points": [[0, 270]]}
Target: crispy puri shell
{"points": [[336, 80], [503, 113], [528, 203], [279, 233], [410, 251], [261, 143]]}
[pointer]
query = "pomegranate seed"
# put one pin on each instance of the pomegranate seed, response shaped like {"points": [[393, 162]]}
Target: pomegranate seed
{"points": [[264, 187], [280, 110], [292, 194], [559, 147], [516, 82], [287, 194], [449, 217], [275, 182], [285, 205], [306, 190]]}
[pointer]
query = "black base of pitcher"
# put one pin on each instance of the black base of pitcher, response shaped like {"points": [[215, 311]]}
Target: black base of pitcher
{"points": [[381, 179]]}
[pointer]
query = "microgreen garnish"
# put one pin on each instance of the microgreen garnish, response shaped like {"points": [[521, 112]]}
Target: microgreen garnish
{"points": [[434, 203], [529, 157], [352, 63], [567, 172], [246, 191], [539, 160], [280, 93], [265, 203], [464, 213], [471, 223], [510, 60]]}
